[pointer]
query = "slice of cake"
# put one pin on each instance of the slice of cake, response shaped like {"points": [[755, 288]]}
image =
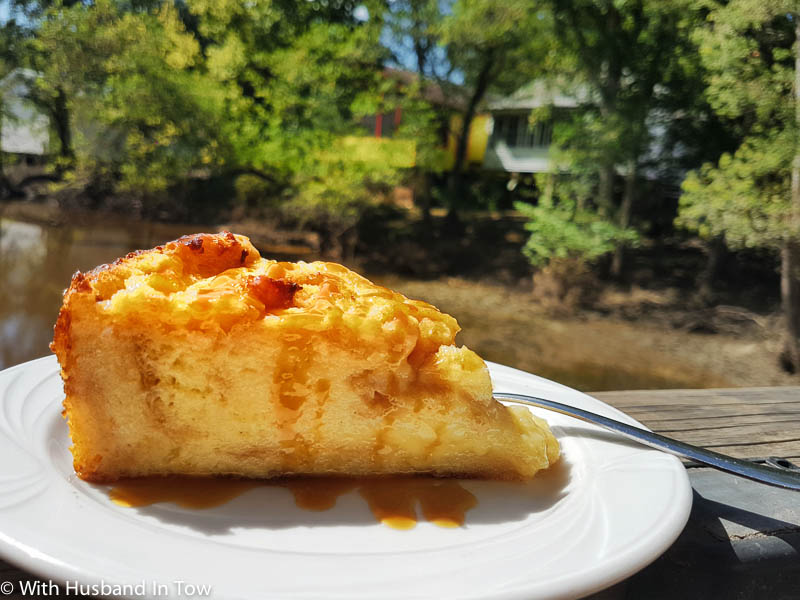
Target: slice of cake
{"points": [[199, 357]]}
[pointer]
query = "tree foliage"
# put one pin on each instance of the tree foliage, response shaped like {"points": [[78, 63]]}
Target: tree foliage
{"points": [[746, 196], [747, 47], [751, 197], [622, 57], [619, 62], [565, 230], [154, 94], [142, 110]]}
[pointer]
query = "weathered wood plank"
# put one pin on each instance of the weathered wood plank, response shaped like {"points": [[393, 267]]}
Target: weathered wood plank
{"points": [[700, 404], [747, 423], [729, 423], [713, 409], [743, 434], [789, 450], [776, 395], [712, 413]]}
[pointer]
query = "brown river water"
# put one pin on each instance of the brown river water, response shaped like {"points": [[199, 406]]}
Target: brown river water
{"points": [[37, 261]]}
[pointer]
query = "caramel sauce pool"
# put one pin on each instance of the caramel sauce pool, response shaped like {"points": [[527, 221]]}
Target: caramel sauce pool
{"points": [[392, 500]]}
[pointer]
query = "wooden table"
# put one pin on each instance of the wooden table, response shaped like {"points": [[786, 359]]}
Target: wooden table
{"points": [[743, 539]]}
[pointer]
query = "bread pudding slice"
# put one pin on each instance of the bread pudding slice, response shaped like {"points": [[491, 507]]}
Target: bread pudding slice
{"points": [[199, 357]]}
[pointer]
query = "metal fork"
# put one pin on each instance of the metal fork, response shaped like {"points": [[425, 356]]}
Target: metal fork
{"points": [[780, 476]]}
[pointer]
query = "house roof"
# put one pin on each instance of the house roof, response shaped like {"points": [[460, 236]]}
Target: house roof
{"points": [[453, 97], [540, 93]]}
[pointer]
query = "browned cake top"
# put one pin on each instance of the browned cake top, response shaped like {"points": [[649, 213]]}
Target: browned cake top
{"points": [[216, 282]]}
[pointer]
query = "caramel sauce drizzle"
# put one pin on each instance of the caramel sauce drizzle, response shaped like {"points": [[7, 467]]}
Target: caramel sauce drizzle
{"points": [[392, 500], [291, 390], [187, 492]]}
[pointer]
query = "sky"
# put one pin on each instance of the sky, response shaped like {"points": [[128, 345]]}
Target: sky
{"points": [[404, 57], [5, 12]]}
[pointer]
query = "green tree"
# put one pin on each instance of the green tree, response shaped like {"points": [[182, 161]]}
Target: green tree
{"points": [[299, 77], [619, 58], [295, 71], [751, 49], [564, 230], [29, 15], [129, 79], [155, 94]]}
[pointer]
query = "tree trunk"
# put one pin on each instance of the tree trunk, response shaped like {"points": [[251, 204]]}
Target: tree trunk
{"points": [[624, 217], [605, 192], [790, 296], [705, 282], [62, 125], [5, 185], [611, 78], [455, 181], [422, 196], [421, 53], [790, 253]]}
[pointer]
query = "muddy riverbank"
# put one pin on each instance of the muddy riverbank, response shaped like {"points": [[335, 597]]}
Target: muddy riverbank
{"points": [[595, 351]]}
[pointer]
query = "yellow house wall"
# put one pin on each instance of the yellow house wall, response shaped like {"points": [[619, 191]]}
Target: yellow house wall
{"points": [[402, 152], [477, 142], [399, 153]]}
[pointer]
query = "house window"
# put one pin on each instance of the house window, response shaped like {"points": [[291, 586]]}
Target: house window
{"points": [[515, 131]]}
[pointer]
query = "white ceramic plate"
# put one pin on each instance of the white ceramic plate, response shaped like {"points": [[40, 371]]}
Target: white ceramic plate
{"points": [[609, 509]]}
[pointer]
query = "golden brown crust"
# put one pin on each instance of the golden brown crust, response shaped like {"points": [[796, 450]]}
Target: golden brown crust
{"points": [[200, 357], [202, 253]]}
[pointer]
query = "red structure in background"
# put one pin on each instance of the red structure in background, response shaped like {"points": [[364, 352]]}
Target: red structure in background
{"points": [[397, 117]]}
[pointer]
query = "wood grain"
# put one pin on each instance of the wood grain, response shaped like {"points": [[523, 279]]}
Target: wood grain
{"points": [[746, 423]]}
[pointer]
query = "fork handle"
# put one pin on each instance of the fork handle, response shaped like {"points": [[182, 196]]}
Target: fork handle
{"points": [[777, 476]]}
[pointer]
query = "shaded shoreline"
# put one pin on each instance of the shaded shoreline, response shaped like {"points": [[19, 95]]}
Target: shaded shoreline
{"points": [[631, 339]]}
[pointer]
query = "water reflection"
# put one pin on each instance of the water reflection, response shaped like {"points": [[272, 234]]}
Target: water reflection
{"points": [[36, 264]]}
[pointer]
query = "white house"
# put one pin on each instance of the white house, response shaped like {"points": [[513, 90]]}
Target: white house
{"points": [[24, 129], [514, 145]]}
